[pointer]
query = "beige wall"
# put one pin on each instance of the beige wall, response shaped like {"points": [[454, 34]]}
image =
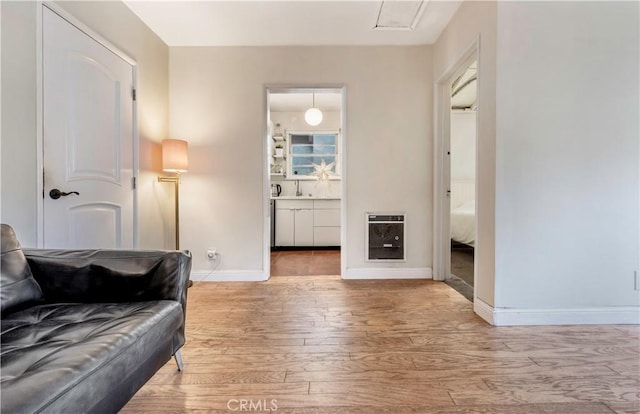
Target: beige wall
{"points": [[217, 103], [567, 178], [116, 23], [477, 20], [18, 145]]}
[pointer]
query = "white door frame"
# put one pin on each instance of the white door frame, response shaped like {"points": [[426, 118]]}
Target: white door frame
{"points": [[40, 112], [266, 193], [442, 167]]}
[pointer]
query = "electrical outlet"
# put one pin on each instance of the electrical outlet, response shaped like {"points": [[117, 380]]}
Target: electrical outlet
{"points": [[211, 254]]}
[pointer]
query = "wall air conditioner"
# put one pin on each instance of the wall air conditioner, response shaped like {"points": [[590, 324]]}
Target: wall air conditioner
{"points": [[385, 237]]}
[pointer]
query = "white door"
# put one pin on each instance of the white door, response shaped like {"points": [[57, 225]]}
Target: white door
{"points": [[88, 140]]}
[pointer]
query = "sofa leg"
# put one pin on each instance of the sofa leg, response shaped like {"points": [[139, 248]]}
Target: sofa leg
{"points": [[178, 358]]}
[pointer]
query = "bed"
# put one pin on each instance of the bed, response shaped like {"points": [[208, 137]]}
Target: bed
{"points": [[463, 212]]}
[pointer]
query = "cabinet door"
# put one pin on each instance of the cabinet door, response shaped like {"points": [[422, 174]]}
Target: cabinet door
{"points": [[284, 227], [303, 228]]}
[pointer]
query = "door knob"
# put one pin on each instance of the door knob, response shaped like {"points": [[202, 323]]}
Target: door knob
{"points": [[56, 194]]}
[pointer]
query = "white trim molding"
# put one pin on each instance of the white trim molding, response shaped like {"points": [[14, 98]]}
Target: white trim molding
{"points": [[613, 315], [389, 273], [483, 310], [229, 276], [441, 159]]}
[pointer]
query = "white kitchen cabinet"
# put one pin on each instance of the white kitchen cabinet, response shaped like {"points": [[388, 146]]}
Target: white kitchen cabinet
{"points": [[326, 223], [326, 236], [294, 223], [326, 218], [303, 227], [307, 222], [284, 227]]}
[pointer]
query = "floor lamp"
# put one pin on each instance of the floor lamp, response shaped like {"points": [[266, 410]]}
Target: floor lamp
{"points": [[175, 159]]}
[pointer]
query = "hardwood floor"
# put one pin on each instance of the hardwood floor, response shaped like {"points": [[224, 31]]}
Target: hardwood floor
{"points": [[305, 262], [324, 345], [462, 262]]}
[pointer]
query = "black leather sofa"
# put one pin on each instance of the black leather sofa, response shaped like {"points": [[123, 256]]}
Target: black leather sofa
{"points": [[83, 330]]}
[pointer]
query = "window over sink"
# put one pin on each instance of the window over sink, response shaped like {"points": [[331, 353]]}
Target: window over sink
{"points": [[313, 153]]}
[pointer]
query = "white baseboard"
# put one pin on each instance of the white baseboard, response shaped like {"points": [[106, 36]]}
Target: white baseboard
{"points": [[483, 310], [229, 276], [614, 315], [389, 273], [260, 276]]}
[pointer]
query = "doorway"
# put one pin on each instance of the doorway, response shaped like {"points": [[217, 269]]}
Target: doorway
{"points": [[462, 155], [305, 168], [455, 184]]}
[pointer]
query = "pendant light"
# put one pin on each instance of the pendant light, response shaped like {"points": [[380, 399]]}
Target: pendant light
{"points": [[313, 116]]}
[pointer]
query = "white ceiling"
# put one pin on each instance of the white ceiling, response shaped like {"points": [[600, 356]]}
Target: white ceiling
{"points": [[464, 90], [286, 23]]}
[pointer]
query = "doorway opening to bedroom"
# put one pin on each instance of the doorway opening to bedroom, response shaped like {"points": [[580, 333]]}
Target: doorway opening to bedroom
{"points": [[462, 186]]}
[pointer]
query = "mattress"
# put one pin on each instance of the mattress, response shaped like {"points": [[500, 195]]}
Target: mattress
{"points": [[463, 223]]}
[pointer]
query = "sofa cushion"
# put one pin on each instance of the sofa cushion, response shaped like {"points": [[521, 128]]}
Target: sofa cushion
{"points": [[54, 357], [17, 285]]}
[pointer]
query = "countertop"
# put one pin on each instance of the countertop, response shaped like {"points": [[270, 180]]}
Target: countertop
{"points": [[304, 198]]}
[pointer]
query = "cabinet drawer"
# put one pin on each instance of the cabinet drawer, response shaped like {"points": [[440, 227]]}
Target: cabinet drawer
{"points": [[293, 204], [326, 218], [326, 204], [326, 236]]}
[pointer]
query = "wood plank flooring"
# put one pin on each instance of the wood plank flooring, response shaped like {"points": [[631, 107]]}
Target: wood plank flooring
{"points": [[319, 344], [462, 257], [305, 262]]}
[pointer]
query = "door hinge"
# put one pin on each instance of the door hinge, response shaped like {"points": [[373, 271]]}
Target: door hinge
{"points": [[133, 183], [133, 93]]}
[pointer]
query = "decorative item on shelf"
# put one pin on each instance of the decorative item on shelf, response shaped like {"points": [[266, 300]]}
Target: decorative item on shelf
{"points": [[277, 134], [313, 116], [175, 159], [278, 140]]}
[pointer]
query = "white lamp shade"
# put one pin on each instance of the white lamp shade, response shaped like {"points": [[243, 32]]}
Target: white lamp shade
{"points": [[175, 156], [313, 116]]}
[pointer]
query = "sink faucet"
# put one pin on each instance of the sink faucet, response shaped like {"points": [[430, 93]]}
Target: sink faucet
{"points": [[298, 192]]}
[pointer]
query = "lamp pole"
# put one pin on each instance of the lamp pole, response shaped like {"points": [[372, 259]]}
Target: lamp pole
{"points": [[176, 181], [177, 185], [175, 159]]}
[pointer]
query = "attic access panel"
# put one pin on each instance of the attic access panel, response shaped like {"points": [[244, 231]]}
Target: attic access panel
{"points": [[399, 15]]}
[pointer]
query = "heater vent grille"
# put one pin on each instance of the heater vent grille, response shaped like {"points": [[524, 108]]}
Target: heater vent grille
{"points": [[385, 236]]}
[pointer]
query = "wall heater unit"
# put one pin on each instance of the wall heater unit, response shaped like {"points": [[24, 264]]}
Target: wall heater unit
{"points": [[385, 237]]}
